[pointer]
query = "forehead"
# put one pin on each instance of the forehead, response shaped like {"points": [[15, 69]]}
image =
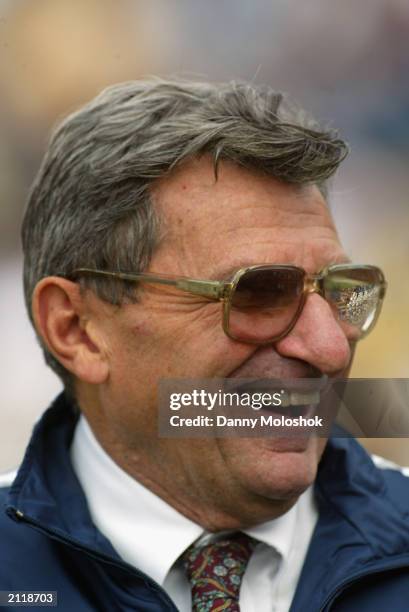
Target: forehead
{"points": [[244, 217]]}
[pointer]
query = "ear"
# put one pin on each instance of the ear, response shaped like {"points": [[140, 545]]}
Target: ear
{"points": [[65, 322]]}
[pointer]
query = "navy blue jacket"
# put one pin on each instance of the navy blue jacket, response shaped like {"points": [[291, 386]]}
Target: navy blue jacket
{"points": [[358, 559]]}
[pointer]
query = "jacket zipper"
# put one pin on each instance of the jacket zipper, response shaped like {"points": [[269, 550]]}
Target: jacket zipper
{"points": [[345, 584], [19, 516]]}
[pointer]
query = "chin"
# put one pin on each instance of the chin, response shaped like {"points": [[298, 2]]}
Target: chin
{"points": [[278, 469]]}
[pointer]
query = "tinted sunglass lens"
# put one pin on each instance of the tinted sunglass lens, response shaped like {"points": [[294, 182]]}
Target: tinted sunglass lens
{"points": [[356, 294], [265, 302]]}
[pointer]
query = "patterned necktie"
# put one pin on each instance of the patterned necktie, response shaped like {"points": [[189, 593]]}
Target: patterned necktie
{"points": [[215, 572]]}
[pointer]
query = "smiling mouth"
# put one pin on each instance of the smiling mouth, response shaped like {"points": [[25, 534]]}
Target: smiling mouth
{"points": [[298, 397], [294, 405], [293, 392]]}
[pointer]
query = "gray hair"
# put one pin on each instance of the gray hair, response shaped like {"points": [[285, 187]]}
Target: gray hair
{"points": [[90, 203]]}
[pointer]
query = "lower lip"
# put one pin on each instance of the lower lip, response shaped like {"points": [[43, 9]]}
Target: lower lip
{"points": [[290, 439], [290, 411]]}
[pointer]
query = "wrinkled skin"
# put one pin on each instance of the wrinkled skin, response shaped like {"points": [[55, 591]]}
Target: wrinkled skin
{"points": [[210, 228]]}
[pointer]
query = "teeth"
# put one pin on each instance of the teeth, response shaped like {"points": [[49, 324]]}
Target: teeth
{"points": [[290, 398], [297, 398]]}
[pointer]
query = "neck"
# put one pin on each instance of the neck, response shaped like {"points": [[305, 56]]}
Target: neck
{"points": [[160, 466]]}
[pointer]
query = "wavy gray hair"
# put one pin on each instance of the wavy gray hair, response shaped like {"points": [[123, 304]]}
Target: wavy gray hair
{"points": [[90, 203]]}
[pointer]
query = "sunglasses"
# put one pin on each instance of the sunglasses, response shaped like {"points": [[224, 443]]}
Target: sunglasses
{"points": [[261, 304]]}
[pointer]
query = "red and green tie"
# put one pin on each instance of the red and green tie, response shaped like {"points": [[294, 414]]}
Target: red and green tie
{"points": [[215, 572]]}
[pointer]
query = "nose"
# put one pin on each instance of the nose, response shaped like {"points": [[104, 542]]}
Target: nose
{"points": [[317, 338]]}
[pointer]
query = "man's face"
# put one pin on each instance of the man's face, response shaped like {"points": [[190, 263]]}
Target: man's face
{"points": [[210, 229]]}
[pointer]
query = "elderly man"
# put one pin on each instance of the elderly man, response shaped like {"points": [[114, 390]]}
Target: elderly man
{"points": [[149, 184]]}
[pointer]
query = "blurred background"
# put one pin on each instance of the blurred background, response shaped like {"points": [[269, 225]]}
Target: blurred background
{"points": [[346, 61]]}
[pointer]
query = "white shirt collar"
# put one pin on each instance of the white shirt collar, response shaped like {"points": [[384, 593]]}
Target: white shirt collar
{"points": [[147, 532]]}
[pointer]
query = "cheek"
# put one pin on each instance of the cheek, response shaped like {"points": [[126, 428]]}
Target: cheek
{"points": [[181, 329], [142, 329], [128, 351], [174, 342], [276, 475]]}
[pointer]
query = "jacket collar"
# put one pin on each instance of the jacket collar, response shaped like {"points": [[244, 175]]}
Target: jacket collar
{"points": [[362, 526], [46, 491]]}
